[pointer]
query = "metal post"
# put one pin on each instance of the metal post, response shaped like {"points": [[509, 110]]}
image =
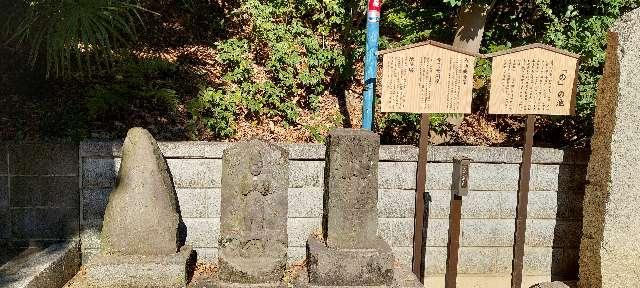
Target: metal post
{"points": [[453, 246], [370, 63], [421, 179], [521, 208]]}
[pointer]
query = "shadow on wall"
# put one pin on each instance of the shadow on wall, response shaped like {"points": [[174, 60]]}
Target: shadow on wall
{"points": [[568, 224], [39, 195]]}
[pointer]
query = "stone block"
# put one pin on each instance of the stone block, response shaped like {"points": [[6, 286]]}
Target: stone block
{"points": [[397, 175], [306, 174], [305, 203], [397, 232], [255, 270], [296, 254], [299, 229], [4, 192], [435, 260], [90, 235], [306, 152], [553, 233], [560, 263], [44, 191], [477, 260], [4, 160], [493, 177], [88, 254], [202, 232], [99, 172], [194, 202], [438, 232], [94, 202], [52, 266], [193, 149], [161, 271], [214, 199], [43, 159], [5, 224], [195, 173], [403, 255], [100, 149], [487, 233], [481, 205], [44, 223], [393, 203], [398, 153], [349, 267]]}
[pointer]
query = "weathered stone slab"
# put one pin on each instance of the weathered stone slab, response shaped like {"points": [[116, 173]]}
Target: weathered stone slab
{"points": [[142, 215], [139, 270], [351, 189], [52, 266], [43, 159], [349, 267], [253, 242], [610, 246]]}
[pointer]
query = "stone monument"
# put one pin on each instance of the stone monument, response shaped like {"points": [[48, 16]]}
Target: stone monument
{"points": [[610, 246], [140, 241], [253, 229], [350, 252]]}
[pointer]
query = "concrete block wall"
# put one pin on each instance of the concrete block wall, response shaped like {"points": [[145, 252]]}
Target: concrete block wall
{"points": [[39, 193], [553, 230]]}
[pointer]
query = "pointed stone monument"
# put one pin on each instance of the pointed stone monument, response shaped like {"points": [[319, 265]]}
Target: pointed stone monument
{"points": [[253, 229], [610, 246], [140, 244]]}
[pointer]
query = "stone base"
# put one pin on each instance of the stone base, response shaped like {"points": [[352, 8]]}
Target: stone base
{"points": [[349, 267], [218, 284], [556, 284], [139, 271], [251, 271], [402, 278]]}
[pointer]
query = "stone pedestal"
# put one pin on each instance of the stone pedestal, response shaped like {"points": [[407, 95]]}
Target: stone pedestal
{"points": [[158, 271], [349, 267], [610, 246], [253, 229], [140, 241]]}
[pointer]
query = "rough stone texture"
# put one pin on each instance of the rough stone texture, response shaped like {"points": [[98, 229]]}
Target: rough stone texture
{"points": [[52, 266], [351, 189], [555, 284], [27, 191], [486, 205], [142, 215], [610, 246], [253, 241], [43, 159], [138, 270], [349, 267], [44, 223]]}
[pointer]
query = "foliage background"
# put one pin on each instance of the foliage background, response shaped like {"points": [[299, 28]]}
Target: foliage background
{"points": [[285, 70]]}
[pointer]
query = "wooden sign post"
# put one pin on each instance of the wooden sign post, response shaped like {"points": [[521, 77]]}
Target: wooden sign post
{"points": [[427, 77], [531, 80]]}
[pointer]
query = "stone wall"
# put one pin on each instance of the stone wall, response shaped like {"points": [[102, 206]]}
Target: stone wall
{"points": [[39, 199], [553, 230]]}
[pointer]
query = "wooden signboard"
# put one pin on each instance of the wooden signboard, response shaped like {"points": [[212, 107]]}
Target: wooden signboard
{"points": [[533, 79], [427, 77]]}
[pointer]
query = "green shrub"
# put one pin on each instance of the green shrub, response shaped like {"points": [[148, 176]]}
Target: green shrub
{"points": [[215, 110]]}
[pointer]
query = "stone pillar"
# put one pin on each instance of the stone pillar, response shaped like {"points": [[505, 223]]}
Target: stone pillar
{"points": [[610, 247], [350, 252], [140, 241], [351, 213], [253, 229]]}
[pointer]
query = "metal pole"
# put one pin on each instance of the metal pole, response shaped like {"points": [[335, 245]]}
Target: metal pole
{"points": [[370, 63], [421, 179], [521, 208]]}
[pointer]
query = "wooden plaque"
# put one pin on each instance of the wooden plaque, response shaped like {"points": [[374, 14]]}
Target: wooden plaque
{"points": [[534, 79], [427, 77]]}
